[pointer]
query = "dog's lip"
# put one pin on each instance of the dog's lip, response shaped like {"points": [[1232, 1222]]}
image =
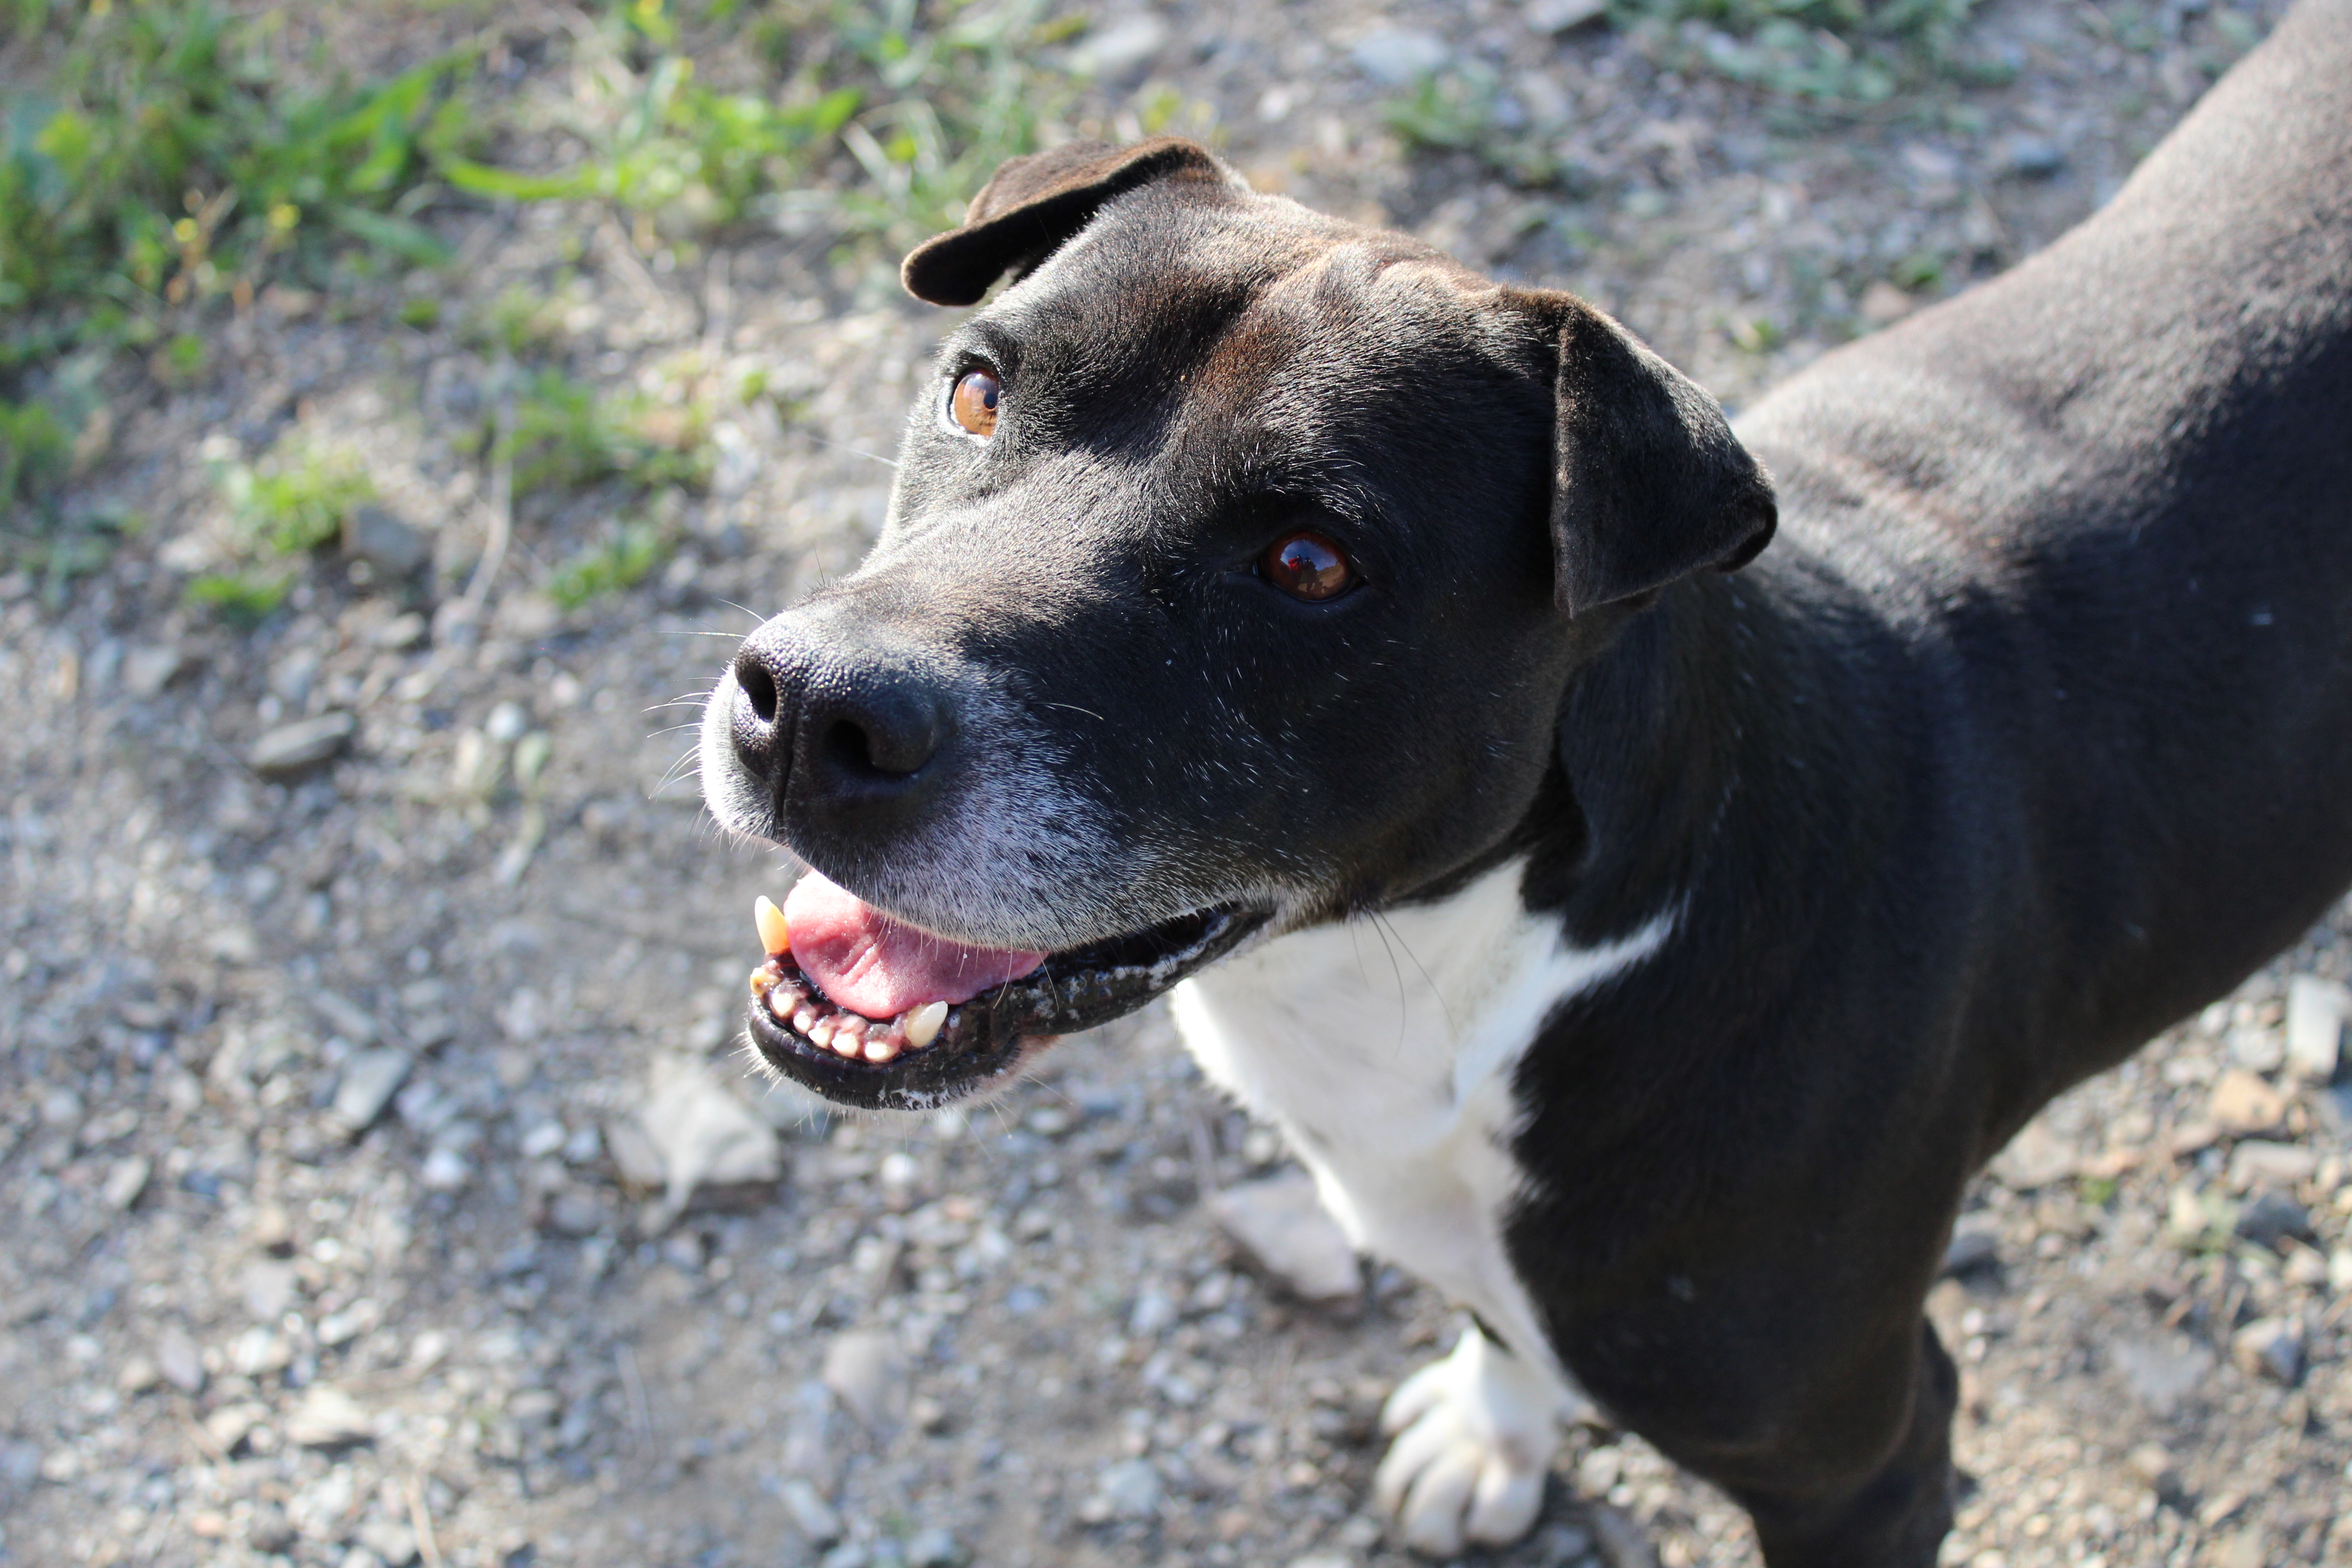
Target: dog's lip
{"points": [[986, 1038]]}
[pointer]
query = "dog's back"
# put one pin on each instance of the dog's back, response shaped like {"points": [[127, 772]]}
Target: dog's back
{"points": [[2108, 498]]}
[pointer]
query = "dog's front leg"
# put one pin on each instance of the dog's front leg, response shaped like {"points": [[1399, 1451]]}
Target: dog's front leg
{"points": [[1474, 1435]]}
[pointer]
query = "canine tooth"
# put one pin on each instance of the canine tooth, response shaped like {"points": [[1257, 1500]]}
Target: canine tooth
{"points": [[774, 935], [881, 1049], [923, 1023]]}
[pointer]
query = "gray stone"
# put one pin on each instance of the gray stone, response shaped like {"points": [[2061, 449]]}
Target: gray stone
{"points": [[125, 1180], [177, 1359], [1128, 1490], [394, 1545], [2035, 1158], [147, 671], [328, 1419], [2161, 1373], [1559, 16], [1281, 1228], [1395, 56], [713, 1148], [292, 748], [1974, 1249], [811, 1515], [2316, 1011], [2270, 1218], [1123, 47], [268, 1288], [2033, 158], [866, 1371], [933, 1548], [2258, 1162], [2272, 1347], [369, 1082], [394, 548]]}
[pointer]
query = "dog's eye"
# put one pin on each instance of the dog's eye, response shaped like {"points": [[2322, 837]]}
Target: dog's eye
{"points": [[1306, 565], [973, 403]]}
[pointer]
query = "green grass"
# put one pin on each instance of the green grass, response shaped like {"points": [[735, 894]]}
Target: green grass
{"points": [[1836, 55], [243, 599], [568, 436], [294, 504], [619, 562]]}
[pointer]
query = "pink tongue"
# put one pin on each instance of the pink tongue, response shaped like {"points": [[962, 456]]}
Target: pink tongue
{"points": [[870, 964]]}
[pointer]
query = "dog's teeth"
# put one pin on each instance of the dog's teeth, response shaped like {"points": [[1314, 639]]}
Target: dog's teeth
{"points": [[850, 1028], [923, 1023], [820, 1032], [805, 1019], [881, 1049], [763, 980], [846, 1044], [774, 935]]}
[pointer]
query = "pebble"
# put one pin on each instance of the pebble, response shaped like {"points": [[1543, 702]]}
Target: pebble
{"points": [[1121, 48], [125, 1180], [293, 748], [1974, 1249], [328, 1419], [1128, 1489], [1393, 56], [2242, 1103], [147, 671], [2316, 1011], [2161, 1372], [445, 1171], [394, 548], [177, 1359], [811, 1515], [1280, 1226], [1559, 16], [2272, 1347], [2257, 1163], [2035, 1158], [933, 1548], [369, 1080], [2033, 158], [709, 1143], [866, 1371]]}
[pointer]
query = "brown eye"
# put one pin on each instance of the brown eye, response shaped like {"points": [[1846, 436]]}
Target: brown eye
{"points": [[973, 403], [1308, 566]]}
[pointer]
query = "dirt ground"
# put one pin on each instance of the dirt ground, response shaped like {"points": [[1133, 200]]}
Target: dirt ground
{"points": [[236, 1328]]}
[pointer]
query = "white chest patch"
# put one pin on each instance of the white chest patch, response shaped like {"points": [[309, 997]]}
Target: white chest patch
{"points": [[1384, 1051]]}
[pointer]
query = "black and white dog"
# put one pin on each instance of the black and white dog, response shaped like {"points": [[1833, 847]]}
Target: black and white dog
{"points": [[1272, 610]]}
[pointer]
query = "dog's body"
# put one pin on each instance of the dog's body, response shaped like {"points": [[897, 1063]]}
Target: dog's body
{"points": [[1726, 925]]}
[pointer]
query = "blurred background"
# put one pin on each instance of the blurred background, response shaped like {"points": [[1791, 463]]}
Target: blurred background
{"points": [[402, 406]]}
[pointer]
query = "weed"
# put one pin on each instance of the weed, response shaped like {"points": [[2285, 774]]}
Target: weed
{"points": [[170, 161], [566, 437], [290, 506], [423, 313], [1460, 110], [621, 561], [1838, 55], [243, 599], [33, 452]]}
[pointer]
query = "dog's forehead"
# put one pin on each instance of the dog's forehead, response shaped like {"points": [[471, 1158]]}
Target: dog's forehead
{"points": [[1248, 299]]}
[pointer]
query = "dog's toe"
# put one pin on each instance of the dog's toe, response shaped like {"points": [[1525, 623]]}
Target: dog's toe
{"points": [[1475, 1435]]}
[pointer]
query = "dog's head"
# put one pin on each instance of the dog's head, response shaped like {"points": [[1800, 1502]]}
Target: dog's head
{"points": [[1236, 565]]}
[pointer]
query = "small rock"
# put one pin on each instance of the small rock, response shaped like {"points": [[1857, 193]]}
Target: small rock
{"points": [[2272, 1217], [2035, 1158], [394, 548], [147, 671], [2152, 1463], [868, 1373], [932, 1548], [344, 1016], [394, 1545], [1121, 48], [2258, 1163], [1128, 1490], [400, 633], [340, 1329], [270, 1531], [177, 1359], [811, 1515], [2161, 1372], [1559, 16], [574, 1211], [713, 1148], [137, 1374], [2272, 1347], [293, 748], [125, 1180], [2033, 158], [268, 1287], [445, 1170], [1883, 303], [370, 1079], [259, 1351], [2244, 1103], [1393, 57], [1973, 1251], [231, 1424], [1280, 1225], [328, 1419], [2316, 1011]]}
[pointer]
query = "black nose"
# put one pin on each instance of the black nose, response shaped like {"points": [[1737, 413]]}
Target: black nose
{"points": [[835, 729]]}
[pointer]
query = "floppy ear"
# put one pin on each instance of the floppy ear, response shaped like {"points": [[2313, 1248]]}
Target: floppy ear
{"points": [[1030, 205], [1648, 482]]}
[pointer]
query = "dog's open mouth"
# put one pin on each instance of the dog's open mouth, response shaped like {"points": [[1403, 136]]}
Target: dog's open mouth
{"points": [[871, 1012]]}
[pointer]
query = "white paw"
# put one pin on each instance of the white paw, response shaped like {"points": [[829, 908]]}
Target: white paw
{"points": [[1477, 1435]]}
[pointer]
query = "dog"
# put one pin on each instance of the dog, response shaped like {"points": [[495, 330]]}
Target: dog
{"points": [[1260, 589]]}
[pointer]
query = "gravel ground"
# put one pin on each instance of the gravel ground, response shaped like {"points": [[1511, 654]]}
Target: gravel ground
{"points": [[383, 1188]]}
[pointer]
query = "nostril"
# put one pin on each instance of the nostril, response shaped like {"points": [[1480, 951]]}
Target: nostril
{"points": [[758, 688], [847, 746]]}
